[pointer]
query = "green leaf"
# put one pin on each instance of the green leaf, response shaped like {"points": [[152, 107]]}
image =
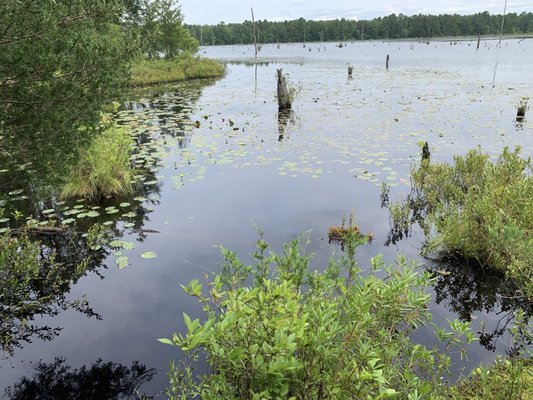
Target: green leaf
{"points": [[149, 254], [122, 262]]}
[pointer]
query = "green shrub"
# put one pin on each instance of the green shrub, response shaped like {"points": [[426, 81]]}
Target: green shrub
{"points": [[104, 167], [479, 210], [275, 330], [505, 380], [152, 72]]}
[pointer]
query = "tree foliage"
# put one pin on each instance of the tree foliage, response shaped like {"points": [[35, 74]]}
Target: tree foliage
{"points": [[159, 26], [60, 62]]}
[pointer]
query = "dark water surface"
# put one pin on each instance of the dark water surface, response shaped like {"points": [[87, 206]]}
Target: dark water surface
{"points": [[221, 159]]}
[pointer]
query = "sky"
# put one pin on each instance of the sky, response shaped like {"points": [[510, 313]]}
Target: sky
{"points": [[215, 11]]}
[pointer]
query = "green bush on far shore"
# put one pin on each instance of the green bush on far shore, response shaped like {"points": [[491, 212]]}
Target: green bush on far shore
{"points": [[152, 72]]}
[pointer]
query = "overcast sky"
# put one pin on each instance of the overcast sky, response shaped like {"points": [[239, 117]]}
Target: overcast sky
{"points": [[214, 11]]}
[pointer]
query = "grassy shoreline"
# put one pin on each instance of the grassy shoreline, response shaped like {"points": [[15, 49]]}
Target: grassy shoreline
{"points": [[155, 72]]}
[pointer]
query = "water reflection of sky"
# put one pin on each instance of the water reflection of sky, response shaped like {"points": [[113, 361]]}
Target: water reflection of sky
{"points": [[225, 167]]}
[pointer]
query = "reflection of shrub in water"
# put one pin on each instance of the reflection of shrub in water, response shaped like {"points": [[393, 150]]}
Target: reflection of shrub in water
{"points": [[102, 380], [469, 290], [35, 279]]}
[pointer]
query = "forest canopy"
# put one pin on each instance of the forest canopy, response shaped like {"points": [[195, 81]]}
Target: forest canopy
{"points": [[389, 27]]}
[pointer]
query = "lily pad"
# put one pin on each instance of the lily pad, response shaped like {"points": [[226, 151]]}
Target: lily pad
{"points": [[149, 254], [122, 262]]}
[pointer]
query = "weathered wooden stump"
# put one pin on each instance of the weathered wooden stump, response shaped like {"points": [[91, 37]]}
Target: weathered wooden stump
{"points": [[284, 98], [425, 152], [350, 71], [387, 62]]}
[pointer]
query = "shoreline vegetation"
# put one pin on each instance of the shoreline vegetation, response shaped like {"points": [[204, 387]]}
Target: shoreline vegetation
{"points": [[437, 39], [186, 67], [474, 209], [414, 27]]}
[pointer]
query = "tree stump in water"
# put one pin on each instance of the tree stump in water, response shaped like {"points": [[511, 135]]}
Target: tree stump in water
{"points": [[350, 70], [284, 98], [425, 152]]}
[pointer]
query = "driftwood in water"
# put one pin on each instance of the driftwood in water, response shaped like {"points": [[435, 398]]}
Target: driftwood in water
{"points": [[284, 98], [478, 40], [350, 70], [41, 231], [387, 62], [57, 231]]}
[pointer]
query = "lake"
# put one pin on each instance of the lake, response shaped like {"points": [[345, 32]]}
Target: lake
{"points": [[222, 162]]}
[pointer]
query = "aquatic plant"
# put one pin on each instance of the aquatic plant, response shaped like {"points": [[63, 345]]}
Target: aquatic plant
{"points": [[478, 209], [277, 330], [104, 167], [343, 233]]}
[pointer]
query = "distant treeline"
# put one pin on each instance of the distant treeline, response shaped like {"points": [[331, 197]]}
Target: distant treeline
{"points": [[390, 27]]}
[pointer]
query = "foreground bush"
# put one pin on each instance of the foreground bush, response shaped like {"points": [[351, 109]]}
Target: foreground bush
{"points": [[505, 380], [152, 72], [104, 167], [479, 209], [276, 330]]}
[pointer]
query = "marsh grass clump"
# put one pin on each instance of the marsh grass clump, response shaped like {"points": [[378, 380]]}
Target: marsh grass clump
{"points": [[279, 330], [152, 72], [522, 108], [477, 209], [104, 167], [341, 234]]}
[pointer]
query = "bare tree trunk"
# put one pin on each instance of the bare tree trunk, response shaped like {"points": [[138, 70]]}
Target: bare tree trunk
{"points": [[387, 62], [503, 21], [478, 40], [284, 98], [253, 29], [350, 70]]}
